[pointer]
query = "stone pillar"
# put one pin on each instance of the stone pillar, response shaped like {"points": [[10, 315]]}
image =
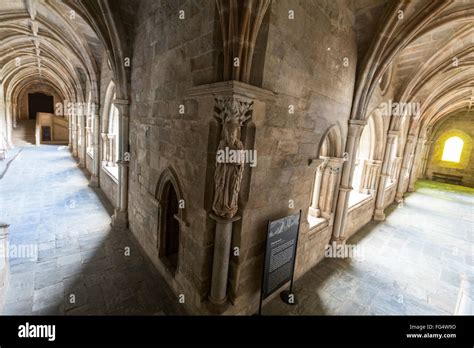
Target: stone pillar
{"points": [[315, 204], [220, 263], [426, 154], [120, 217], [379, 215], [80, 142], [71, 135], [83, 134], [404, 173], [353, 138], [104, 148], [370, 176], [75, 140], [96, 147], [415, 164], [395, 171], [333, 169], [15, 114], [111, 139], [4, 266], [9, 118]]}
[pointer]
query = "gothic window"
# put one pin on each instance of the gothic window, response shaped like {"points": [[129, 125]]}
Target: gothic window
{"points": [[110, 135]]}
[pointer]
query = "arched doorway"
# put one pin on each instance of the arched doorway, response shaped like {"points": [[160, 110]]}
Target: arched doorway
{"points": [[39, 102], [170, 235]]}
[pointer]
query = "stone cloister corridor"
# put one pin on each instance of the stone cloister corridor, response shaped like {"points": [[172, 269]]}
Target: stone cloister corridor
{"points": [[52, 208], [201, 157], [410, 264]]}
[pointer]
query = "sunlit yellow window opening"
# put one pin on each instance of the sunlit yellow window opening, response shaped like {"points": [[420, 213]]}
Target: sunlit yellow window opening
{"points": [[452, 149]]}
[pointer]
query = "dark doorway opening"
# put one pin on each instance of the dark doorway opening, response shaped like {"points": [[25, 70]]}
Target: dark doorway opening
{"points": [[39, 102], [170, 235]]}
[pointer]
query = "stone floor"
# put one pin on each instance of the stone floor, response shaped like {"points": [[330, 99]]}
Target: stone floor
{"points": [[64, 257], [411, 263]]}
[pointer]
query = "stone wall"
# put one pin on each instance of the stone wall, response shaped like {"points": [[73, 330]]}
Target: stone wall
{"points": [[170, 56], [358, 216], [305, 66], [460, 125], [390, 192]]}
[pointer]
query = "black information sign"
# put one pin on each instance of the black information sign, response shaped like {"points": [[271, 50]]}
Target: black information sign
{"points": [[280, 253]]}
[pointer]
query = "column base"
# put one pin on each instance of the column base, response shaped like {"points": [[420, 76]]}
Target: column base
{"points": [[341, 240], [81, 163], [94, 181], [411, 188], [399, 197], [316, 212], [120, 219], [379, 215]]}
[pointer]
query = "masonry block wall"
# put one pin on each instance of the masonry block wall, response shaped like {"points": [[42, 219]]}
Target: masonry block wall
{"points": [[169, 130], [309, 74]]}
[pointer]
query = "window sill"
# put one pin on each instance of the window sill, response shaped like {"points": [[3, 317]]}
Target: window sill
{"points": [[357, 199], [90, 153], [112, 172], [316, 224]]}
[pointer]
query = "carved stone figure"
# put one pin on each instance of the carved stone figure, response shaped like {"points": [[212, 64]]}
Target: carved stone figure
{"points": [[228, 174]]}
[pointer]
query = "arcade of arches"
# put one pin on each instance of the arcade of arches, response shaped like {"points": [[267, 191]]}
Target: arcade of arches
{"points": [[357, 113]]}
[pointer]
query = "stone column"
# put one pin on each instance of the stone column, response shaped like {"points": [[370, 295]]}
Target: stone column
{"points": [[379, 215], [370, 176], [353, 138], [405, 165], [111, 139], [80, 142], [9, 118], [96, 147], [426, 154], [71, 135], [75, 141], [220, 263], [415, 164], [315, 204], [395, 172], [333, 169], [120, 217], [232, 113], [15, 114], [4, 267], [104, 151], [84, 137]]}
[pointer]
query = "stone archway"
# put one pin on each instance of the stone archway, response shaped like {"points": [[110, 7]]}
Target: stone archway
{"points": [[170, 217]]}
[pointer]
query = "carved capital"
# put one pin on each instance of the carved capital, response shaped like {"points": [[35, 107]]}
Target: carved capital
{"points": [[233, 110]]}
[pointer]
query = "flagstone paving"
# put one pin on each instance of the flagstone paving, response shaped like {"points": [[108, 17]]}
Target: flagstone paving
{"points": [[412, 263], [75, 263]]}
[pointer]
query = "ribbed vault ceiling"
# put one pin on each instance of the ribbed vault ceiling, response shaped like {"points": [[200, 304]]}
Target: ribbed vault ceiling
{"points": [[47, 42]]}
